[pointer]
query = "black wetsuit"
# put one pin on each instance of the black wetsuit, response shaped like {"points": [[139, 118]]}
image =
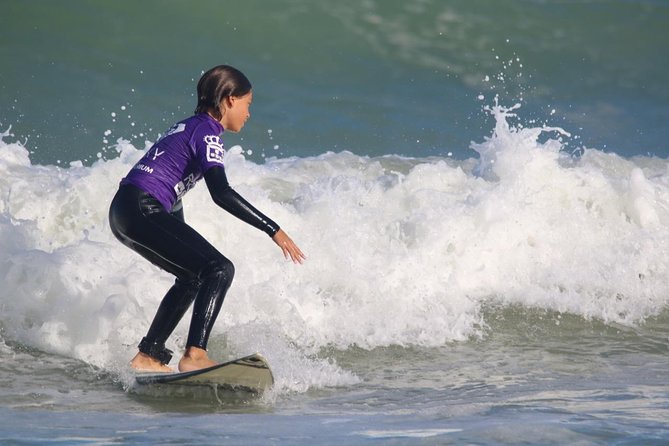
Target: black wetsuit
{"points": [[203, 274]]}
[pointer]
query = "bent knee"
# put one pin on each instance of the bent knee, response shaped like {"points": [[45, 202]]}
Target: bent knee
{"points": [[220, 267]]}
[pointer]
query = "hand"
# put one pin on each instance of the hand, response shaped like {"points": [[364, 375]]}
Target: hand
{"points": [[289, 248]]}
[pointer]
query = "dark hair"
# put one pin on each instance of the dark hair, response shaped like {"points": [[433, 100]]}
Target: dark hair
{"points": [[217, 84]]}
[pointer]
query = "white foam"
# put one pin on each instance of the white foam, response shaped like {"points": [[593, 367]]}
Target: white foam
{"points": [[400, 251], [407, 433]]}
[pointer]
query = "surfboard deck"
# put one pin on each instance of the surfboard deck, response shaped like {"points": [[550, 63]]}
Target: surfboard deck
{"points": [[250, 373]]}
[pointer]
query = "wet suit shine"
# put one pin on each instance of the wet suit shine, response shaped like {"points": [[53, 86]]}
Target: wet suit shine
{"points": [[146, 215]]}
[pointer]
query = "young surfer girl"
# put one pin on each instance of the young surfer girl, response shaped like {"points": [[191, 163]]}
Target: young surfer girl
{"points": [[146, 215]]}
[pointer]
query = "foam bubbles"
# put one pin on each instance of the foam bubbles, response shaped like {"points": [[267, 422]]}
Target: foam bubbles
{"points": [[400, 251]]}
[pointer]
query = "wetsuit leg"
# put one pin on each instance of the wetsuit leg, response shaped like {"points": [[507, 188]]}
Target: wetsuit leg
{"points": [[203, 273], [215, 283], [172, 308]]}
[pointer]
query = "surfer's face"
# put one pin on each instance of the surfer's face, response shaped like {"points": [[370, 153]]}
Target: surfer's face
{"points": [[236, 111]]}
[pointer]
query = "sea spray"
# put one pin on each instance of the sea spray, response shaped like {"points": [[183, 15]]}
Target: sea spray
{"points": [[401, 251]]}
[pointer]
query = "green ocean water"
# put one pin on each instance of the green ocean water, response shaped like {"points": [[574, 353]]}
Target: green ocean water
{"points": [[373, 77]]}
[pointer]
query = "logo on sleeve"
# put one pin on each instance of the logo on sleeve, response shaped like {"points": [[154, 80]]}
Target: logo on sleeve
{"points": [[215, 150]]}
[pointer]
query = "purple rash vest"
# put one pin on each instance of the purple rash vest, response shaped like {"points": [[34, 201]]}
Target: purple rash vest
{"points": [[179, 159]]}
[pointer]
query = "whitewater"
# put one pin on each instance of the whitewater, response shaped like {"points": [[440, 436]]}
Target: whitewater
{"points": [[401, 251]]}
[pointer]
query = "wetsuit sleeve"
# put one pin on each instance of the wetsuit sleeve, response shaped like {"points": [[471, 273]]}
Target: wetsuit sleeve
{"points": [[226, 197]]}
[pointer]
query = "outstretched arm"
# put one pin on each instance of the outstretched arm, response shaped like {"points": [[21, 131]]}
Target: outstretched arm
{"points": [[227, 198]]}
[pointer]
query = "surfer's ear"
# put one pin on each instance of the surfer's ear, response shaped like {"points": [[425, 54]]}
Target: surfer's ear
{"points": [[228, 101], [225, 104]]}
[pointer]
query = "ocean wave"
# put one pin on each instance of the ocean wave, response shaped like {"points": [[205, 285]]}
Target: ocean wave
{"points": [[401, 251]]}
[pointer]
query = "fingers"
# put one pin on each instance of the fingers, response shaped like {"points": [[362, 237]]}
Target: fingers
{"points": [[294, 252], [290, 250], [288, 247]]}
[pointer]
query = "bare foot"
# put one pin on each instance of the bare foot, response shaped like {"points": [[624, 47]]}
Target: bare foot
{"points": [[194, 359], [145, 363]]}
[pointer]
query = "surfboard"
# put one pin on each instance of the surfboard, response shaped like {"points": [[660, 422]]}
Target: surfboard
{"points": [[250, 373]]}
